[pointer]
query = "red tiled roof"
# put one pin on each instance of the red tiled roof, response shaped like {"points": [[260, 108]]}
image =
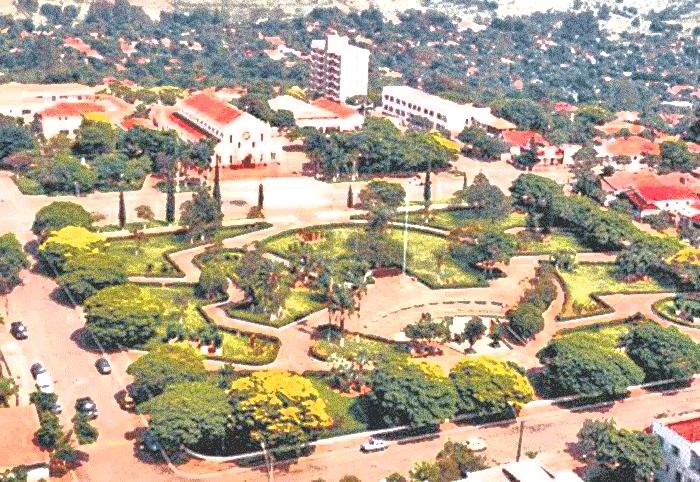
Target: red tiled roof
{"points": [[688, 429], [523, 138], [340, 110], [67, 109], [564, 107], [638, 201], [215, 110], [693, 147], [653, 193], [186, 126], [632, 146], [132, 122]]}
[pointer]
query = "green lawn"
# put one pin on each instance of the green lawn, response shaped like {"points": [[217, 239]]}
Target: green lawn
{"points": [[353, 346], [589, 278], [421, 246], [182, 306], [299, 303], [147, 257], [549, 244], [449, 219]]}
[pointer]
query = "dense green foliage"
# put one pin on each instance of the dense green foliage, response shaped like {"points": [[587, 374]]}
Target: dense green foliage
{"points": [[12, 261], [163, 366], [60, 214]]}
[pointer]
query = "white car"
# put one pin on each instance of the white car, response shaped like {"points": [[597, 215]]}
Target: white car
{"points": [[44, 383], [374, 445], [476, 444]]}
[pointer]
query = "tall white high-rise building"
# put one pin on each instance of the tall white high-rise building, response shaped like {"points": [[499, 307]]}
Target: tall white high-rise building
{"points": [[338, 70]]}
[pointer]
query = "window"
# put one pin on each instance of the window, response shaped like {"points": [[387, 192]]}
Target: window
{"points": [[679, 476], [239, 145], [674, 450], [262, 137], [253, 143], [230, 139]]}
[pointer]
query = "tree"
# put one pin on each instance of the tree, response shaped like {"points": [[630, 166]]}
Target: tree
{"points": [[116, 168], [427, 189], [144, 212], [212, 283], [63, 173], [619, 454], [261, 197], [455, 460], [170, 201], [12, 261], [14, 138], [381, 199], [69, 242], [478, 143], [663, 353], [84, 431], [8, 388], [122, 210], [216, 194], [411, 394], [524, 113], [644, 257], [487, 200], [487, 386], [123, 315], [278, 408], [537, 196], [188, 413], [351, 200], [60, 214], [676, 157], [528, 157], [202, 215], [427, 330], [166, 365], [526, 320], [425, 472], [492, 247], [577, 364], [87, 273], [473, 330], [95, 138]]}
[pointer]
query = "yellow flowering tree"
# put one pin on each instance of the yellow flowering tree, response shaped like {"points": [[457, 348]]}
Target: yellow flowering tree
{"points": [[70, 242], [489, 386], [278, 408]]}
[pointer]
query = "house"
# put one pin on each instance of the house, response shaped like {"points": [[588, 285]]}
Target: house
{"points": [[323, 114], [66, 117], [526, 470], [614, 126], [17, 447], [242, 139], [627, 152], [680, 440], [26, 100], [338, 69]]}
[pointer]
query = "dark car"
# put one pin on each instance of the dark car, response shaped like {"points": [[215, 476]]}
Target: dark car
{"points": [[37, 369], [103, 366], [18, 330], [149, 442], [87, 406]]}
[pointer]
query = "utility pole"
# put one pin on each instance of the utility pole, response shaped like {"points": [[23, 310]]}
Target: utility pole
{"points": [[520, 441], [269, 462], [405, 236]]}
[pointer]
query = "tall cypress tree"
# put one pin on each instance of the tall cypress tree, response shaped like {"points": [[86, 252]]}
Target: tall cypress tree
{"points": [[261, 196], [464, 181], [351, 201], [217, 188], [170, 201], [122, 210], [427, 189]]}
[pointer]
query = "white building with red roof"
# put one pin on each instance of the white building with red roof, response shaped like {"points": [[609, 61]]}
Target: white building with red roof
{"points": [[242, 139], [66, 117], [26, 100], [681, 449]]}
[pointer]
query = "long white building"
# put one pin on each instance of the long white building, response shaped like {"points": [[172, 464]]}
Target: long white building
{"points": [[403, 102], [681, 449], [338, 70], [243, 140], [26, 100]]}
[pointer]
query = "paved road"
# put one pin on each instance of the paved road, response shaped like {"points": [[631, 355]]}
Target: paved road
{"points": [[551, 433]]}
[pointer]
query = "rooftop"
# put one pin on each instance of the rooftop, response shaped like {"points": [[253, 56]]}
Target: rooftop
{"points": [[20, 449], [688, 429], [523, 138], [340, 110], [631, 146], [214, 110], [72, 109]]}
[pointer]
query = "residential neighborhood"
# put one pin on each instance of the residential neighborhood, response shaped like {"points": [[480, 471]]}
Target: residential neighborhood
{"points": [[348, 242]]}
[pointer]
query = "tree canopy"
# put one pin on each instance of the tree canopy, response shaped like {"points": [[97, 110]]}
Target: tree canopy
{"points": [[166, 365], [60, 214], [12, 261]]}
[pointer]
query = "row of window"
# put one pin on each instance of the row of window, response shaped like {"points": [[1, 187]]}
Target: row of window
{"points": [[416, 108]]}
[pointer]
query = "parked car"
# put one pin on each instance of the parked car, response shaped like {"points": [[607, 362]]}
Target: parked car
{"points": [[36, 369], [476, 444], [86, 406], [55, 408], [126, 400], [18, 330], [149, 442], [103, 366], [374, 445], [44, 382]]}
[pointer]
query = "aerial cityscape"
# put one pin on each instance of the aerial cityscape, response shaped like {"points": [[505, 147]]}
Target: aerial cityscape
{"points": [[350, 240]]}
